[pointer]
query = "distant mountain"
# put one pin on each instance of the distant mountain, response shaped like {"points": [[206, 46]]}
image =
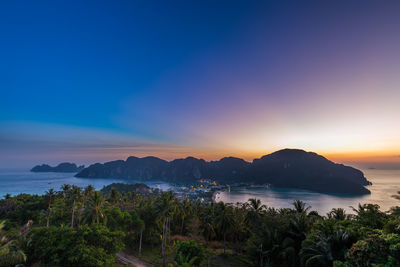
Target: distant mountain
{"points": [[291, 168], [307, 170], [62, 167]]}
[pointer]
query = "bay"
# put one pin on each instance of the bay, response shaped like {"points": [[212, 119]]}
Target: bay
{"points": [[385, 183], [17, 181]]}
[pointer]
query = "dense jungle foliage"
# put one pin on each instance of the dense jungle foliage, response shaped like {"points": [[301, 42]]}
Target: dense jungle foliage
{"points": [[83, 227]]}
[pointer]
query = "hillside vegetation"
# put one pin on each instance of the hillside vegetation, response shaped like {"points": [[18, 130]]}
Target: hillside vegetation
{"points": [[84, 227]]}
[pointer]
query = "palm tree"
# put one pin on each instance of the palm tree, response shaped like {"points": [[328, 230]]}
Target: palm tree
{"points": [[87, 193], [324, 248], [282, 251], [318, 254], [95, 208], [183, 261], [255, 205], [360, 209], [298, 227], [224, 221], [65, 188], [141, 229], [88, 190], [185, 208], [115, 196], [148, 213], [137, 225], [130, 200], [273, 247], [165, 207], [370, 215], [301, 206], [263, 254], [75, 194], [207, 223], [287, 251], [340, 241], [10, 255], [50, 198], [254, 212], [338, 214]]}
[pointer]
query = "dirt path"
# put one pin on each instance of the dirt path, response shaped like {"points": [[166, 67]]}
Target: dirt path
{"points": [[131, 260]]}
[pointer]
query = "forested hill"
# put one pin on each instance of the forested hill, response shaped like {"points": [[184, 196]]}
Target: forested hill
{"points": [[62, 167], [292, 168]]}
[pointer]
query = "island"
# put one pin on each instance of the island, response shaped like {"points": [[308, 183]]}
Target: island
{"points": [[125, 188], [287, 168], [62, 167]]}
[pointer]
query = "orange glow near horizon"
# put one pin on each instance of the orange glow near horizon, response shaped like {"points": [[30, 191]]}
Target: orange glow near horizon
{"points": [[207, 81], [171, 153]]}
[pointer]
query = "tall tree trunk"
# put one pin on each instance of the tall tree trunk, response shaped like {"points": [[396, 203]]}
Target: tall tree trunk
{"points": [[165, 240], [168, 232], [48, 217], [162, 243], [81, 210], [140, 243], [79, 217], [73, 215], [183, 220], [97, 217], [224, 243]]}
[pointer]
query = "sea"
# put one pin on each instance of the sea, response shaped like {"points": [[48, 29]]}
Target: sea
{"points": [[17, 181], [385, 183]]}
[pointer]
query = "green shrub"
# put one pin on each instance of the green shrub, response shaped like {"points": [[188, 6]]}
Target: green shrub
{"points": [[372, 250], [189, 251], [87, 246]]}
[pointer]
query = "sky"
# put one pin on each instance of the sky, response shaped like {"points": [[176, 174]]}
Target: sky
{"points": [[92, 81]]}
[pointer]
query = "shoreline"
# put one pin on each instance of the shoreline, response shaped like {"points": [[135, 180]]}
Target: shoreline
{"points": [[214, 196]]}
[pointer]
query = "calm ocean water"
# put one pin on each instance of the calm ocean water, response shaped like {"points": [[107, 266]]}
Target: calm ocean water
{"points": [[385, 184], [23, 181]]}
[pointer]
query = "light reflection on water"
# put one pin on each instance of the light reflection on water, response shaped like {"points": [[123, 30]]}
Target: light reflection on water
{"points": [[385, 184]]}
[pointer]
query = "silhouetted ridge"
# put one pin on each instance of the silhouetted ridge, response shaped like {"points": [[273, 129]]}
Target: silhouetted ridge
{"points": [[307, 170], [293, 168], [62, 167]]}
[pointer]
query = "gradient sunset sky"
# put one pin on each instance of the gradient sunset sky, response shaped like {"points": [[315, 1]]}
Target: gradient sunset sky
{"points": [[88, 81]]}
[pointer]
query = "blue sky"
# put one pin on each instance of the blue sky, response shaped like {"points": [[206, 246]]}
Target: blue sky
{"points": [[91, 81], [95, 54]]}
